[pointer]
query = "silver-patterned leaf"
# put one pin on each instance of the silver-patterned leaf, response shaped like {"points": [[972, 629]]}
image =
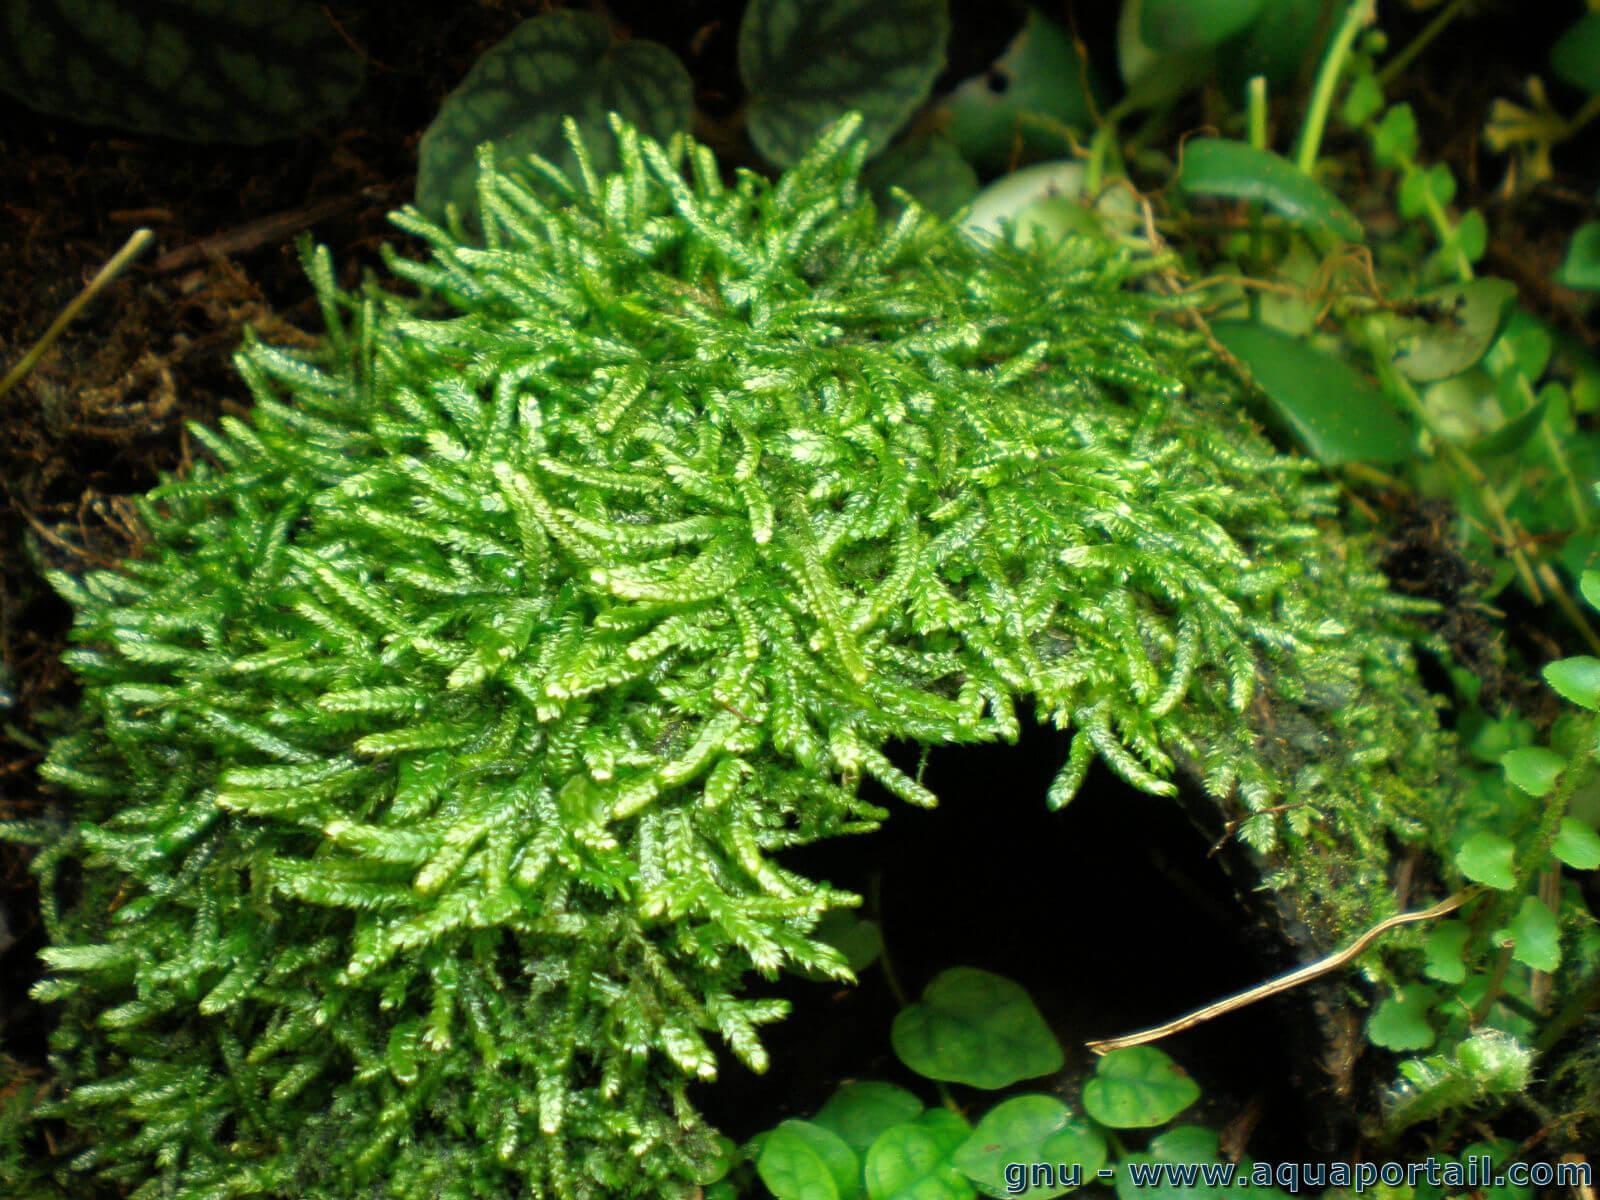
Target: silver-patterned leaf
{"points": [[808, 62], [559, 65]]}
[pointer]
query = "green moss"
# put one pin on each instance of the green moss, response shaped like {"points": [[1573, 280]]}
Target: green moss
{"points": [[440, 747]]}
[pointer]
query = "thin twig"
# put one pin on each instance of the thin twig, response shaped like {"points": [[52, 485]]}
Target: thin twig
{"points": [[254, 234], [1286, 982], [61, 543], [131, 249]]}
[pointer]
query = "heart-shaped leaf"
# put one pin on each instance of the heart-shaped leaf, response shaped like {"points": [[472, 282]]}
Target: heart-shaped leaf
{"points": [[1136, 1087], [912, 1161], [858, 939], [1334, 412], [1185, 1145], [561, 64], [859, 1111], [1239, 171], [1395, 138], [802, 1161], [1190, 24], [807, 63], [976, 1028], [1027, 1130]]}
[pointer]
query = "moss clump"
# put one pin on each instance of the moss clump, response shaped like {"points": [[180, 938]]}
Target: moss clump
{"points": [[437, 752]]}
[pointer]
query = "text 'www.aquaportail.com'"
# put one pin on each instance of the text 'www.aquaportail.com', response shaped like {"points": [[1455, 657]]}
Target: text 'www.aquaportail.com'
{"points": [[1476, 1171]]}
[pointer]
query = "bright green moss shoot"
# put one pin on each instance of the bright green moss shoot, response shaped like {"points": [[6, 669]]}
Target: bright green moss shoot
{"points": [[436, 754]]}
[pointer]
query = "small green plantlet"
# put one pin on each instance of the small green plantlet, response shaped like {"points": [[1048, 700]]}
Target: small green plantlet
{"points": [[876, 1141], [435, 760], [1517, 832]]}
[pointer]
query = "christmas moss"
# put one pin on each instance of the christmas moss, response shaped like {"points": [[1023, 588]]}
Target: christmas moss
{"points": [[439, 749]]}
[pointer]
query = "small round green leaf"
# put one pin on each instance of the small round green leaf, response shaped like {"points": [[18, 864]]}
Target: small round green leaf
{"points": [[1589, 587], [859, 1111], [802, 1161], [859, 940], [1333, 411], [1394, 140], [1183, 1145], [806, 63], [1535, 935], [976, 1028], [1457, 326], [1436, 184], [561, 64], [1401, 1021], [1577, 679], [1029, 1129], [1577, 845], [1362, 102], [1444, 951], [1239, 171], [1137, 1087], [912, 1162], [1038, 76], [1534, 769], [1191, 24], [1582, 266], [1575, 57], [1487, 858]]}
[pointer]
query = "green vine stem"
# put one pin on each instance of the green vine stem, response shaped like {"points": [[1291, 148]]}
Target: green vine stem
{"points": [[1397, 65], [892, 977], [1359, 13], [1501, 361], [1400, 387]]}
